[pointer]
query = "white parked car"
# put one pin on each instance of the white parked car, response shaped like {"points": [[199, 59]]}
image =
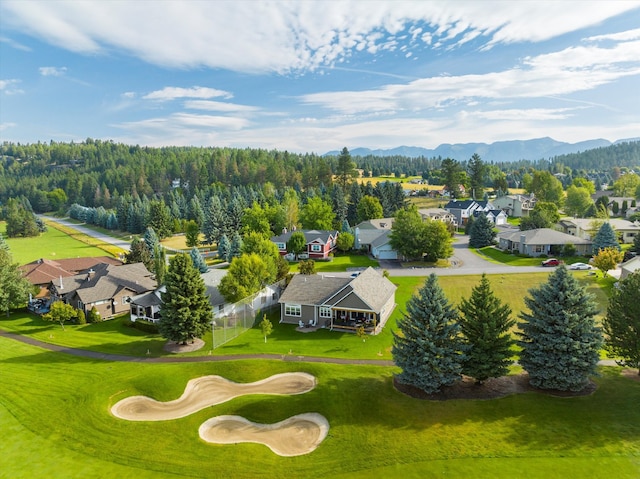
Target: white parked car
{"points": [[580, 266]]}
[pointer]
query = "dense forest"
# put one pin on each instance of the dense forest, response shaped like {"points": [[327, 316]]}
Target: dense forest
{"points": [[123, 186]]}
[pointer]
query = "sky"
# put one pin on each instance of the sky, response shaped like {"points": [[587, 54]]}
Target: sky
{"points": [[316, 76]]}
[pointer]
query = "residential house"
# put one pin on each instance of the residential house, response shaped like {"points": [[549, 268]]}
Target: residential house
{"points": [[367, 232], [319, 243], [542, 241], [337, 302], [146, 306], [515, 205], [438, 214], [587, 227], [42, 271], [497, 217], [462, 210], [107, 287], [380, 248], [629, 267]]}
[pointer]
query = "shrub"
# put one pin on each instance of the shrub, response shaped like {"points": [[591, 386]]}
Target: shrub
{"points": [[146, 326]]}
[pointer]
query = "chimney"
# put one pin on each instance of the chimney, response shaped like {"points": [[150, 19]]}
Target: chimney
{"points": [[61, 285]]}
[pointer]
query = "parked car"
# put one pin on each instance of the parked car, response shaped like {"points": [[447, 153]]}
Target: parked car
{"points": [[551, 262], [580, 266]]}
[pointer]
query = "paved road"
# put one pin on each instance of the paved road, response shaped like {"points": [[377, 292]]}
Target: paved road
{"points": [[89, 232]]}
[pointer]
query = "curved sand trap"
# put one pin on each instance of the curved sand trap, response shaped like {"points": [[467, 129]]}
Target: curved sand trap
{"points": [[294, 436], [207, 391]]}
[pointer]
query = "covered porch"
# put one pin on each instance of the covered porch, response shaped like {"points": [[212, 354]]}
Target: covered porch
{"points": [[350, 320]]}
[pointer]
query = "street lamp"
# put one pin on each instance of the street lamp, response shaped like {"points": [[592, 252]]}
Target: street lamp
{"points": [[213, 326]]}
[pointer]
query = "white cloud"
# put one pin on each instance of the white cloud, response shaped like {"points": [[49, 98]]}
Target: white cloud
{"points": [[8, 87], [283, 36], [173, 93], [12, 43], [218, 106], [6, 126], [568, 71], [52, 71]]}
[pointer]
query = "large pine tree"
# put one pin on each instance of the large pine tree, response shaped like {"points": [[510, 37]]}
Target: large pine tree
{"points": [[622, 323], [485, 323], [185, 313], [605, 238], [428, 347], [559, 339], [481, 233]]}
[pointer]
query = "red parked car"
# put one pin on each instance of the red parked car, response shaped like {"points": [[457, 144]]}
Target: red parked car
{"points": [[551, 262]]}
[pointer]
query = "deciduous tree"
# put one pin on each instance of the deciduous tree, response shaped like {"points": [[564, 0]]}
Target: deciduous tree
{"points": [[247, 275], [61, 312], [266, 326], [369, 208], [14, 288], [297, 243], [607, 259], [560, 341], [427, 346], [317, 215]]}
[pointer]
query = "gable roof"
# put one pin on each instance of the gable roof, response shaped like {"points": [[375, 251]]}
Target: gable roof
{"points": [[212, 280], [106, 281], [382, 239], [616, 223], [378, 224], [42, 271], [460, 205], [542, 236], [632, 265], [369, 290], [318, 236]]}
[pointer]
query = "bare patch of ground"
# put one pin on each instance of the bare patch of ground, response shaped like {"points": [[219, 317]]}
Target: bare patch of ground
{"points": [[631, 374], [173, 347], [294, 436], [491, 389], [207, 391]]}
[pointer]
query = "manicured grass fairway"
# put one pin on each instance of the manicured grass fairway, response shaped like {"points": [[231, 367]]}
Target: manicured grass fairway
{"points": [[53, 244], [55, 409]]}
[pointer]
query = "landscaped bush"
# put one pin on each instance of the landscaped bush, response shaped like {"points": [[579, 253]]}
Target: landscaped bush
{"points": [[146, 326]]}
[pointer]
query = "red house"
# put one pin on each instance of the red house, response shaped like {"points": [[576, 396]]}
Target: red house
{"points": [[319, 243]]}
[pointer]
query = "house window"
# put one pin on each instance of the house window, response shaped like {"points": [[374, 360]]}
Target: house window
{"points": [[80, 305], [539, 248], [324, 312], [316, 248], [281, 246], [126, 299], [292, 310]]}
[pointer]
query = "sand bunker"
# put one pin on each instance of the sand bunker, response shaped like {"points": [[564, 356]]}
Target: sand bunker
{"points": [[207, 391], [294, 436]]}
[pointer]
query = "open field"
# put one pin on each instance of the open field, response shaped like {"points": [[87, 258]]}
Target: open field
{"points": [[114, 338], [55, 408], [53, 244]]}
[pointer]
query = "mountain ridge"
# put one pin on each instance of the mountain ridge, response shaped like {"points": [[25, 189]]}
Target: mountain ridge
{"points": [[499, 151]]}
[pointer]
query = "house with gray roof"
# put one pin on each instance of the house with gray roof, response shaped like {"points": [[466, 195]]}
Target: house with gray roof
{"points": [[515, 205], [541, 241], [586, 228], [367, 232], [109, 288], [629, 267], [337, 302]]}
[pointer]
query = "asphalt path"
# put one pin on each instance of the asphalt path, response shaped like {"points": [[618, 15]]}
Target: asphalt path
{"points": [[89, 232]]}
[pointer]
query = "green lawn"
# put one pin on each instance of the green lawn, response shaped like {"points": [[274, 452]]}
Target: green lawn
{"points": [[340, 263], [113, 337], [53, 244], [55, 410], [497, 256]]}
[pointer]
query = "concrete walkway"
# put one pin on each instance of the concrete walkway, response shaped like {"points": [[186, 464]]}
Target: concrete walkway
{"points": [[125, 245]]}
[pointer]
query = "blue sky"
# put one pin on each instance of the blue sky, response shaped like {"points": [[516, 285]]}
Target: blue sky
{"points": [[317, 76]]}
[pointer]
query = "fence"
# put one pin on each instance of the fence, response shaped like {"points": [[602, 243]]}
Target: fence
{"points": [[234, 319]]}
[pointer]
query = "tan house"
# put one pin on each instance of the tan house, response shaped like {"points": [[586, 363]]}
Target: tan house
{"points": [[516, 206], [585, 228], [109, 288], [629, 267], [337, 302]]}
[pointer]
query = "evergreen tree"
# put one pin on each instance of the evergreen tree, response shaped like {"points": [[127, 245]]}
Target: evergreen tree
{"points": [[192, 234], [14, 288], [476, 169], [214, 221], [339, 203], [605, 238], [224, 248], [160, 219], [559, 339], [355, 195], [636, 243], [235, 249], [428, 347], [345, 169], [198, 261], [151, 241], [186, 312], [485, 324], [159, 264], [622, 323], [481, 233], [138, 253]]}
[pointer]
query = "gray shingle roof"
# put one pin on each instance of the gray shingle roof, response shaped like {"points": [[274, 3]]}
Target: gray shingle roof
{"points": [[322, 236], [312, 288], [542, 236]]}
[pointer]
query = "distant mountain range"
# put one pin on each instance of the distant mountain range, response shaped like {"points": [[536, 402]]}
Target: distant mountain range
{"points": [[500, 151]]}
